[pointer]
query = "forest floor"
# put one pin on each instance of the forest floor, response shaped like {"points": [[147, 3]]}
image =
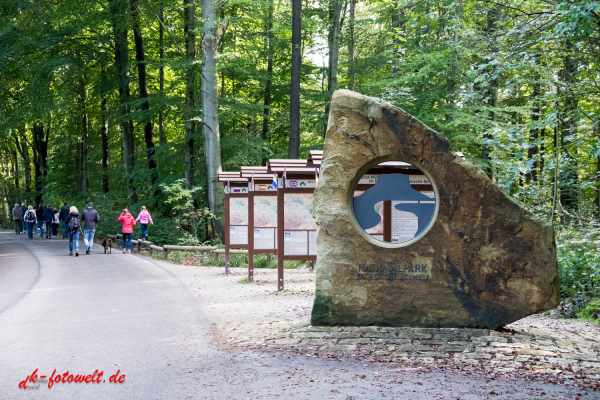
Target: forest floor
{"points": [[254, 316]]}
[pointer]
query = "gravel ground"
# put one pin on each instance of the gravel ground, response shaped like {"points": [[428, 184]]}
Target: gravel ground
{"points": [[258, 309]]}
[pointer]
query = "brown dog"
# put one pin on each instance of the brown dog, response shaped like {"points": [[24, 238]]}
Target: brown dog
{"points": [[107, 244]]}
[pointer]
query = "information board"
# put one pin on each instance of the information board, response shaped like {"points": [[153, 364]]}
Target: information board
{"points": [[238, 234], [295, 243], [265, 238]]}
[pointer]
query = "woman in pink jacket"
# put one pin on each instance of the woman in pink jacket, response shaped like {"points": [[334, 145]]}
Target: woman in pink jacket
{"points": [[128, 223], [144, 219]]}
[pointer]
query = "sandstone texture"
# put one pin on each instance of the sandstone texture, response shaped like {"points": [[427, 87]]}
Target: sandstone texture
{"points": [[488, 261]]}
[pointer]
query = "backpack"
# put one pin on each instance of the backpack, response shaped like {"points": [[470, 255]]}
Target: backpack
{"points": [[29, 216], [74, 223], [55, 218]]}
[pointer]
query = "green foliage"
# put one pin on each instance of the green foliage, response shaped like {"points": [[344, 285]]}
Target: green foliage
{"points": [[579, 272], [591, 312]]}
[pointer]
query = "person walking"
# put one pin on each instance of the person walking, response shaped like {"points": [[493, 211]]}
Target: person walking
{"points": [[39, 219], [145, 219], [17, 214], [72, 222], [128, 223], [30, 219], [48, 216], [89, 217], [64, 213], [23, 211], [55, 223]]}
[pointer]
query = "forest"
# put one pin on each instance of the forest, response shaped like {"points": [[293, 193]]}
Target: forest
{"points": [[142, 102]]}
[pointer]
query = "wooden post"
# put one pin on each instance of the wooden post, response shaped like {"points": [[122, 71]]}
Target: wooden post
{"points": [[139, 245], [251, 236], [280, 231], [268, 259], [227, 235], [387, 221], [150, 251], [311, 266], [166, 254]]}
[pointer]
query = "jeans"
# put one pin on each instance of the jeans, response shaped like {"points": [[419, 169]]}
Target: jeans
{"points": [[127, 241], [65, 230], [88, 238], [17, 225], [74, 236], [40, 227], [30, 229], [144, 230], [48, 229]]}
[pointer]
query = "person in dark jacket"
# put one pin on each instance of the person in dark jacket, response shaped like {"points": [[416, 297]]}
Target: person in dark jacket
{"points": [[74, 229], [17, 214], [48, 216], [39, 215], [89, 217], [23, 211], [64, 213]]}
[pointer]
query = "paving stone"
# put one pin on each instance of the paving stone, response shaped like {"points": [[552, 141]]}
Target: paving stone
{"points": [[497, 339], [535, 352], [478, 356]]}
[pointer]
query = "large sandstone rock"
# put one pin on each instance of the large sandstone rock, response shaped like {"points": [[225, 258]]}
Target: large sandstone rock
{"points": [[488, 261]]}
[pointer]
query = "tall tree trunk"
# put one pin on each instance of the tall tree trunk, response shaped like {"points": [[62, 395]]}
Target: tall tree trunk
{"points": [[5, 206], [534, 132], [118, 11], [335, 47], [570, 182], [15, 162], [333, 43], [452, 97], [294, 143], [143, 86], [493, 17], [351, 44], [41, 154], [78, 164], [210, 115], [85, 183], [24, 152], [37, 174], [267, 109], [190, 44], [162, 137], [104, 131], [396, 41]]}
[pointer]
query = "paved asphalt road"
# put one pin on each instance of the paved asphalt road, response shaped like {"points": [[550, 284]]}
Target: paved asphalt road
{"points": [[121, 312]]}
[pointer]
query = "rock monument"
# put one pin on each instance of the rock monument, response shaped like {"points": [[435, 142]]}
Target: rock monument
{"points": [[477, 259]]}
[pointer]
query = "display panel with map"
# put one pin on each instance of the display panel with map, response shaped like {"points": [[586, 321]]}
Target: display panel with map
{"points": [[265, 211], [298, 211], [238, 211]]}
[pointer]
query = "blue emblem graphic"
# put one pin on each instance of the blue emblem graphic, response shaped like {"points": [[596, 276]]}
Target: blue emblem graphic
{"points": [[395, 187]]}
